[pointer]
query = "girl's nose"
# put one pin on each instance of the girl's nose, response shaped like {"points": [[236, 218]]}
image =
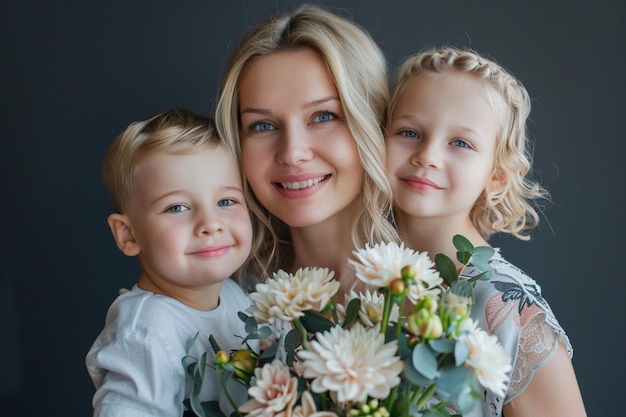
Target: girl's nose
{"points": [[427, 154]]}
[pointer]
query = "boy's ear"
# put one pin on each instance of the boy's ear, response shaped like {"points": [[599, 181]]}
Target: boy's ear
{"points": [[123, 233]]}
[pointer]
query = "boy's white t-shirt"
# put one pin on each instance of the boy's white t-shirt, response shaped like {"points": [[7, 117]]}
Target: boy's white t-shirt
{"points": [[136, 361]]}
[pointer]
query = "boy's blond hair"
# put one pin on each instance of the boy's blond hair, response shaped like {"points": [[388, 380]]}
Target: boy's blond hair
{"points": [[175, 131]]}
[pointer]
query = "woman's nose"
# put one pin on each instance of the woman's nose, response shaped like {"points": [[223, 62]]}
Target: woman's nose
{"points": [[294, 147]]}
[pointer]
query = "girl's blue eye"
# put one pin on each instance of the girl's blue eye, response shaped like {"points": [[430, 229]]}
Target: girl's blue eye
{"points": [[178, 208], [226, 202], [408, 134], [263, 126], [460, 143], [324, 116]]}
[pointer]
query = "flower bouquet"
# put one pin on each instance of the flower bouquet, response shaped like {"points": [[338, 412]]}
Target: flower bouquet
{"points": [[375, 355]]}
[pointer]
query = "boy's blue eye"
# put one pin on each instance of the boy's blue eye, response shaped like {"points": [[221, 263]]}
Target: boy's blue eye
{"points": [[460, 143], [226, 202], [324, 116], [178, 208]]}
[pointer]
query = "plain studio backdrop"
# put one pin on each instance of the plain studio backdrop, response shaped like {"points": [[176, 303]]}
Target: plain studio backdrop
{"points": [[76, 73]]}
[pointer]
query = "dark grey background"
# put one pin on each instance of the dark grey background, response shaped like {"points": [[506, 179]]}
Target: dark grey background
{"points": [[75, 73]]}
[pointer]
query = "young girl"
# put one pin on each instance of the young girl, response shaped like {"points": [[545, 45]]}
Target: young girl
{"points": [[302, 103], [458, 161]]}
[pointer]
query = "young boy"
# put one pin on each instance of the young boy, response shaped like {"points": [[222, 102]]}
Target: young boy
{"points": [[180, 209]]}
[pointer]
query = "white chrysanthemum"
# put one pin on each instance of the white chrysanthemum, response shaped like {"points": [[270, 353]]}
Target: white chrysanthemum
{"points": [[372, 306], [382, 263], [352, 363], [308, 409], [486, 357], [274, 392], [286, 296]]}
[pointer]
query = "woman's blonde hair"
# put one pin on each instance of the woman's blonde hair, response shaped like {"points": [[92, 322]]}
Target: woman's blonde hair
{"points": [[509, 208], [358, 69]]}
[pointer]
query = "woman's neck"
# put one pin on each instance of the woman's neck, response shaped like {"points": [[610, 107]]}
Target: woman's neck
{"points": [[327, 245]]}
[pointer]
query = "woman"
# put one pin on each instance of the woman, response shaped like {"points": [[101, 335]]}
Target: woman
{"points": [[302, 103]]}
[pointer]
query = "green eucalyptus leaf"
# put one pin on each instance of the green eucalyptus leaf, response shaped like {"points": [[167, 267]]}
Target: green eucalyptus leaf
{"points": [[243, 316], [462, 244], [442, 345], [453, 379], [462, 288], [483, 276], [414, 376], [191, 342], [202, 364], [250, 324], [270, 351], [461, 352], [214, 345], [352, 311], [467, 398], [314, 322], [425, 361], [404, 352], [212, 409], [447, 269], [464, 257], [262, 332], [482, 254], [196, 405], [401, 406], [292, 340]]}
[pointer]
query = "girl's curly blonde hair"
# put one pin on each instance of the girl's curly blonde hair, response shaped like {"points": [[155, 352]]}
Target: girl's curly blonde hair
{"points": [[509, 208]]}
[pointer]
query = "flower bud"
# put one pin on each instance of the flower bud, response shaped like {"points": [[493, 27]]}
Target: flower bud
{"points": [[244, 363], [408, 273], [428, 303], [423, 323], [222, 358], [397, 286]]}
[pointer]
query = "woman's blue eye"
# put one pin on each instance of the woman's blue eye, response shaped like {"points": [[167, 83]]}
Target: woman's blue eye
{"points": [[408, 134], [324, 117], [263, 127], [226, 202], [460, 143], [178, 208]]}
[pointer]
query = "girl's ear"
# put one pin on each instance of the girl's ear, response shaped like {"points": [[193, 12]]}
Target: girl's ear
{"points": [[123, 233], [497, 181]]}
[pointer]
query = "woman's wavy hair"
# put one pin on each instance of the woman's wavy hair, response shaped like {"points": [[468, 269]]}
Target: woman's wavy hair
{"points": [[511, 207], [358, 69]]}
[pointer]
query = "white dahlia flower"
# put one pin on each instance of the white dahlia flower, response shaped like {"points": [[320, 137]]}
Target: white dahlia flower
{"points": [[286, 296], [486, 357], [352, 363]]}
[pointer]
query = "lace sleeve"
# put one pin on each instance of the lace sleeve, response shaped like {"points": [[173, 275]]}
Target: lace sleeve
{"points": [[538, 344]]}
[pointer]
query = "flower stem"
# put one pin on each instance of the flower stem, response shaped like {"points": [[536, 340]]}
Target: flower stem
{"points": [[426, 395], [230, 399], [386, 310], [301, 330]]}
